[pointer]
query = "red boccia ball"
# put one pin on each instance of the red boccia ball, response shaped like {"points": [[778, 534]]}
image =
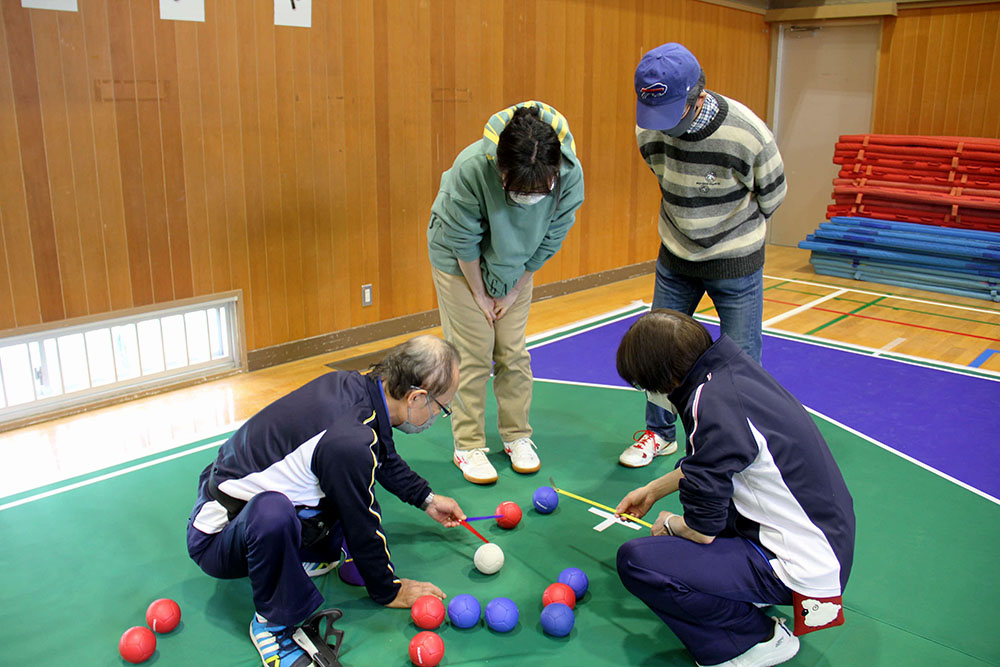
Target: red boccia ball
{"points": [[559, 593], [510, 514], [426, 649], [163, 615], [137, 644], [427, 612]]}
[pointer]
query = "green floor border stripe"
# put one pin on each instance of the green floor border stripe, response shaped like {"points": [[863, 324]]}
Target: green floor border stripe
{"points": [[173, 452], [843, 317], [548, 338]]}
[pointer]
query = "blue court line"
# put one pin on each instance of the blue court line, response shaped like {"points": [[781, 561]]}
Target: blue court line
{"points": [[981, 359]]}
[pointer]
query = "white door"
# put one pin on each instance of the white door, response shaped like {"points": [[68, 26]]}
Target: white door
{"points": [[824, 87]]}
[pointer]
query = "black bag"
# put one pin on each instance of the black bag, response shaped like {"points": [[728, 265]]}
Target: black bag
{"points": [[315, 527]]}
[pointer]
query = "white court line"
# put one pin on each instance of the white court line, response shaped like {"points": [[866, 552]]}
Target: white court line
{"points": [[852, 348], [110, 475], [801, 309], [586, 384], [888, 296], [598, 320], [888, 346], [909, 458], [898, 357], [610, 520]]}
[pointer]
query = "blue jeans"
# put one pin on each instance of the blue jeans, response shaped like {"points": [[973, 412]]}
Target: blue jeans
{"points": [[740, 304]]}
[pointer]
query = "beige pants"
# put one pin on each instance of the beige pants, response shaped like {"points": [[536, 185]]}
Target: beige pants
{"points": [[481, 347]]}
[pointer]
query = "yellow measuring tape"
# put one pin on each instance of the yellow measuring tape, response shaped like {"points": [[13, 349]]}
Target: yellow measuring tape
{"points": [[603, 507]]}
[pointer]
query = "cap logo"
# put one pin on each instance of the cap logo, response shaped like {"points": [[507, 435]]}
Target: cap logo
{"points": [[655, 90]]}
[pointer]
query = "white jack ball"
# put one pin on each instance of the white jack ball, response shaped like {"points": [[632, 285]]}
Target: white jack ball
{"points": [[488, 558]]}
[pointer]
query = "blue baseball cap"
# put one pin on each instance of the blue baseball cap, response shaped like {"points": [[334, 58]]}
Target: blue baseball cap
{"points": [[663, 80]]}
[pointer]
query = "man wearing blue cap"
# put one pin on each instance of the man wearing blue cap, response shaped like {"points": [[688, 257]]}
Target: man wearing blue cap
{"points": [[721, 178]]}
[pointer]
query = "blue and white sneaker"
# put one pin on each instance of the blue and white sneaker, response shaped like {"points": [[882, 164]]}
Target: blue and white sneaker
{"points": [[275, 644], [319, 569]]}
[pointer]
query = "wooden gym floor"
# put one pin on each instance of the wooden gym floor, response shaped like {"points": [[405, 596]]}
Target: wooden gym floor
{"points": [[948, 329]]}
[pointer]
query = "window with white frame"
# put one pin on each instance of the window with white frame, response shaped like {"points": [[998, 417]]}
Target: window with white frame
{"points": [[47, 370]]}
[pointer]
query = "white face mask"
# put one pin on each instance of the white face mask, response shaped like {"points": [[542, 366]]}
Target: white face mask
{"points": [[661, 400], [527, 198]]}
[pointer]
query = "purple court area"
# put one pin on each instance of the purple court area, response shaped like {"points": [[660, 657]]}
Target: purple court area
{"points": [[949, 421]]}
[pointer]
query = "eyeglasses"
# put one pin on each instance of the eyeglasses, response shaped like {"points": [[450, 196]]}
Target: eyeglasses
{"points": [[445, 410]]}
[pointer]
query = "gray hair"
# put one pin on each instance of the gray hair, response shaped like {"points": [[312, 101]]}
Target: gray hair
{"points": [[424, 361]]}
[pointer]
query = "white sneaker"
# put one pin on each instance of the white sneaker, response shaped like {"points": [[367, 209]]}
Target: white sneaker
{"points": [[778, 649], [647, 446], [475, 466], [522, 455]]}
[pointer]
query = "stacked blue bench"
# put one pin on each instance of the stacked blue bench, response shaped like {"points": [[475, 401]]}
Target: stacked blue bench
{"points": [[962, 262]]}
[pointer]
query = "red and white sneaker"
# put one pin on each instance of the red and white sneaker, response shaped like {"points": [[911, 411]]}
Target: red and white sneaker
{"points": [[474, 465], [523, 458], [648, 445]]}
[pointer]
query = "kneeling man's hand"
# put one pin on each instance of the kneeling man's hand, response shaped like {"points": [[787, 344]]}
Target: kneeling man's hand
{"points": [[410, 590]]}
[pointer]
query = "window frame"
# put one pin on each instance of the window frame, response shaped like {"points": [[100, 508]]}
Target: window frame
{"points": [[48, 407]]}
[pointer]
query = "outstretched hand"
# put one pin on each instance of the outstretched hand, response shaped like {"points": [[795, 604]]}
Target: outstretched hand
{"points": [[445, 511]]}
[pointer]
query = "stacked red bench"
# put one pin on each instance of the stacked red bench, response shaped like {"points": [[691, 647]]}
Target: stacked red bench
{"points": [[943, 181]]}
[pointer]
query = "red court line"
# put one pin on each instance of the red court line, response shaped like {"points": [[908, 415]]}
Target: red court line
{"points": [[880, 319]]}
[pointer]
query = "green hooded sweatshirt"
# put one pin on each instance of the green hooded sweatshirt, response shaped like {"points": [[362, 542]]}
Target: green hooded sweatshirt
{"points": [[472, 217]]}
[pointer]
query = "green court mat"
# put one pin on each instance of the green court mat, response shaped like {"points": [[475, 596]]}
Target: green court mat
{"points": [[78, 568]]}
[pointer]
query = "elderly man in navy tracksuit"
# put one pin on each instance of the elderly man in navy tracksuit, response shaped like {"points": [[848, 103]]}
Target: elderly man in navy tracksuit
{"points": [[298, 479], [767, 516]]}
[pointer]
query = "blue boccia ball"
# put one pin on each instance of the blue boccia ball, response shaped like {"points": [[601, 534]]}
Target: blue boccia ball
{"points": [[501, 614], [557, 619], [545, 499], [464, 611], [576, 579]]}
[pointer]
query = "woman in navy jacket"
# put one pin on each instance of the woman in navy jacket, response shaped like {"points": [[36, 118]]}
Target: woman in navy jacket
{"points": [[767, 516]]}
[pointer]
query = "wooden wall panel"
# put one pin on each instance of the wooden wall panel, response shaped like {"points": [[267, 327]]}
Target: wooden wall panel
{"points": [[34, 168], [52, 101], [146, 160], [77, 86], [19, 302], [938, 72], [107, 155], [173, 162], [192, 146], [257, 304], [233, 193]]}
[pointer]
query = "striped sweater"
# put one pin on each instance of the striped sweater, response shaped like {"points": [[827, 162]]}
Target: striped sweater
{"points": [[719, 186]]}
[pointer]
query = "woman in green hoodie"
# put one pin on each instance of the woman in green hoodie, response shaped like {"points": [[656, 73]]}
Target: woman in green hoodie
{"points": [[502, 211]]}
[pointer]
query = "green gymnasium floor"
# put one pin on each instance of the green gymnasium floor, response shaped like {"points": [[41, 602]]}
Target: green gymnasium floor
{"points": [[78, 568]]}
